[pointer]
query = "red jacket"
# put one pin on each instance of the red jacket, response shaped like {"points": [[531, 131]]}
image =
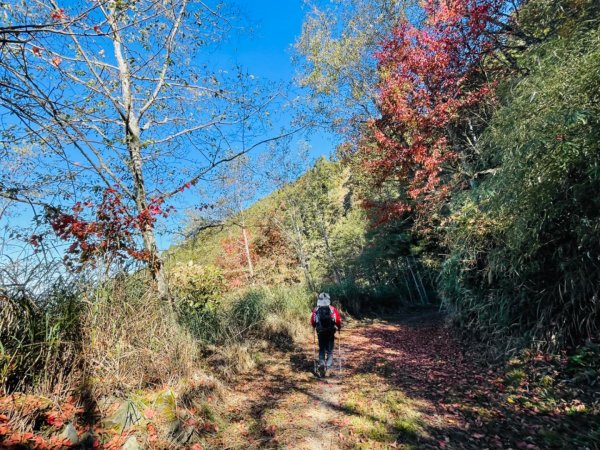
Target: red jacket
{"points": [[334, 312]]}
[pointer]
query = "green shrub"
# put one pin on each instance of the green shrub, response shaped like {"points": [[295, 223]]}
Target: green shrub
{"points": [[247, 314], [524, 248], [199, 286]]}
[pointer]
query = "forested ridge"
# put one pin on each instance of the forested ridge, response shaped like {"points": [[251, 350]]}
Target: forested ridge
{"points": [[455, 224]]}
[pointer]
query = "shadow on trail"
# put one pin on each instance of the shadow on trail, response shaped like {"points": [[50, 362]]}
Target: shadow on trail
{"points": [[301, 363], [419, 356], [460, 401]]}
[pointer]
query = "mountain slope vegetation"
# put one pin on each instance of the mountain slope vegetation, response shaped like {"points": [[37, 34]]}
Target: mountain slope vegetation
{"points": [[456, 226]]}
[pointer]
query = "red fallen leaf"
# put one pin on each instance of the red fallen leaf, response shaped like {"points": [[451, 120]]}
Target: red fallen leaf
{"points": [[191, 422], [18, 438], [442, 444], [149, 414], [196, 447], [97, 29], [36, 50], [210, 427], [478, 435], [56, 61], [39, 442], [54, 421]]}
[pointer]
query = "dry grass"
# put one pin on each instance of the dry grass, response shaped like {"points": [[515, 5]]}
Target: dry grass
{"points": [[39, 346], [284, 331], [135, 342], [234, 359]]}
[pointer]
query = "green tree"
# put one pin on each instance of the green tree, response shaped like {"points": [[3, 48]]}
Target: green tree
{"points": [[523, 243], [336, 55]]}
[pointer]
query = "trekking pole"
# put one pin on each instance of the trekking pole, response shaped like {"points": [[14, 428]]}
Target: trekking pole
{"points": [[314, 352], [340, 350]]}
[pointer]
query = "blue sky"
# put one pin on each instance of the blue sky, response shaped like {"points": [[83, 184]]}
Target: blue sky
{"points": [[264, 50]]}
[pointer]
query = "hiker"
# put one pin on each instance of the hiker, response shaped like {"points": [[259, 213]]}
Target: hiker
{"points": [[325, 319]]}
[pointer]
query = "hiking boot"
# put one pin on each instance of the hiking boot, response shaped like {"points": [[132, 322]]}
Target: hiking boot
{"points": [[321, 369]]}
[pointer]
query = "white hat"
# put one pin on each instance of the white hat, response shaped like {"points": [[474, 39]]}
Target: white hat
{"points": [[323, 299]]}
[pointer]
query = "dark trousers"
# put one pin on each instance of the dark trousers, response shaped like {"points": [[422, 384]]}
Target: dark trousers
{"points": [[326, 345]]}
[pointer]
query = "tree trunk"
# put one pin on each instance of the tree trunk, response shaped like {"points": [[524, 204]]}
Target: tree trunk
{"points": [[416, 282], [301, 253], [247, 251], [408, 289], [325, 235], [134, 147], [155, 262], [306, 268], [420, 278]]}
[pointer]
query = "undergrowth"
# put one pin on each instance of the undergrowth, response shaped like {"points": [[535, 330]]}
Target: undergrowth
{"points": [[117, 357], [244, 323]]}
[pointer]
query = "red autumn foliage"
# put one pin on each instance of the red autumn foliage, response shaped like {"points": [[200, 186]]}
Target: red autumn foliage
{"points": [[58, 14], [113, 231], [426, 71]]}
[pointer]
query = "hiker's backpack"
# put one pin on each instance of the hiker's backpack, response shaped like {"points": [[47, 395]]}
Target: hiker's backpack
{"points": [[324, 321]]}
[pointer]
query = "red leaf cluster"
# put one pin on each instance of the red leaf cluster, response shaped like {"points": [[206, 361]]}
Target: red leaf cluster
{"points": [[112, 232], [425, 84], [58, 14], [234, 260]]}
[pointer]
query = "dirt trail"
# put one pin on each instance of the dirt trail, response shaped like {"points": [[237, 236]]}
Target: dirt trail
{"points": [[406, 383], [291, 408]]}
